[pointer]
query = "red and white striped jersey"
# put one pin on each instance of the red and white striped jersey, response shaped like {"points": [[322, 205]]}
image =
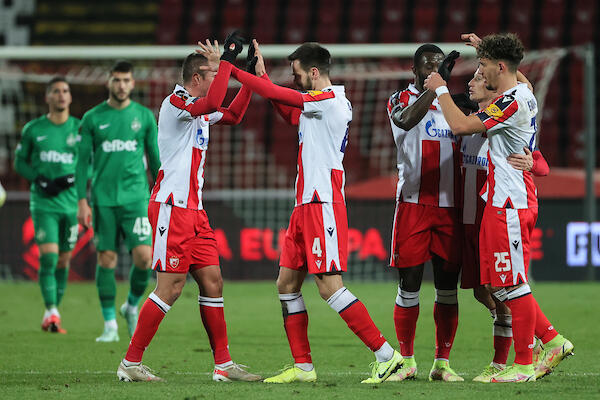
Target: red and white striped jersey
{"points": [[182, 145], [510, 123], [323, 136], [428, 156], [474, 150]]}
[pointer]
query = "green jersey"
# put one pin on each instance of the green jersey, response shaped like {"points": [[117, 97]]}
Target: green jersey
{"points": [[49, 150], [117, 139]]}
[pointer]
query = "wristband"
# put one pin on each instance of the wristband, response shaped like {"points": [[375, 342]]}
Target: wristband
{"points": [[441, 90]]}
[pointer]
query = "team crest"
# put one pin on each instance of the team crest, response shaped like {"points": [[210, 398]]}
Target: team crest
{"points": [[494, 111], [136, 125], [173, 262], [72, 139], [41, 234], [314, 92]]}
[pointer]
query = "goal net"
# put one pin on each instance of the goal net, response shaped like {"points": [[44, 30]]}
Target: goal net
{"points": [[251, 168]]}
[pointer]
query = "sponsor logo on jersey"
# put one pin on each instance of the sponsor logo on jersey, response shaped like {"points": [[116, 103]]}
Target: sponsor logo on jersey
{"points": [[56, 157], [432, 131], [136, 125], [469, 159], [201, 140], [494, 111], [117, 145], [173, 262]]}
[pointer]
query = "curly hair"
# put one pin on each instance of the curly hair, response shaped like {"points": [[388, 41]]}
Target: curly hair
{"points": [[502, 46]]}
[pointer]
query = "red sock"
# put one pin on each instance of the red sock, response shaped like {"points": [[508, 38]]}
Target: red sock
{"points": [[358, 319], [446, 322], [151, 314], [296, 329], [213, 318], [523, 326], [501, 348], [405, 320], [543, 328]]}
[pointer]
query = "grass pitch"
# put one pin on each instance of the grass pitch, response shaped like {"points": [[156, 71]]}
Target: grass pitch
{"points": [[36, 364]]}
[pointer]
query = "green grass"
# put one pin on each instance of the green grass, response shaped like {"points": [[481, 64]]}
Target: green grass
{"points": [[35, 364]]}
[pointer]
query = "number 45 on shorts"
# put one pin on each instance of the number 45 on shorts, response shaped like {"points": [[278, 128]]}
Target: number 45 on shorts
{"points": [[141, 226]]}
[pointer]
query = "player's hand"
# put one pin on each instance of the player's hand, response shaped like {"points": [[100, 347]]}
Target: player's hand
{"points": [[47, 185], [446, 66], [212, 53], [65, 182], [471, 39], [251, 58], [233, 46], [84, 213], [260, 61], [522, 162], [434, 81]]}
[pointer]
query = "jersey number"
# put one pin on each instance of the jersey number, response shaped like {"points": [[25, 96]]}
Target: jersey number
{"points": [[316, 247], [532, 140], [141, 226], [345, 141], [502, 258], [73, 231]]}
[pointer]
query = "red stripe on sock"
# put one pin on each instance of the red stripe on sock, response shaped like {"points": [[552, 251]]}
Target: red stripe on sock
{"points": [[523, 325], [405, 320], [358, 319], [213, 319], [446, 322], [296, 329], [147, 325]]}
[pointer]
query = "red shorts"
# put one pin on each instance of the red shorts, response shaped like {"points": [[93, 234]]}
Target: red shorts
{"points": [[183, 240], [470, 278], [504, 245], [317, 238], [420, 231]]}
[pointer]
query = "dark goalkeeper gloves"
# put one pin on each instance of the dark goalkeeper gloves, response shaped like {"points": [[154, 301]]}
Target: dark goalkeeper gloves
{"points": [[251, 59], [48, 186], [65, 182], [446, 66], [233, 47], [463, 101]]}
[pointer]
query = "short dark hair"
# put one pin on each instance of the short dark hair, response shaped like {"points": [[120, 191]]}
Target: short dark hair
{"points": [[426, 48], [122, 66], [52, 81], [312, 55], [191, 65], [502, 46]]}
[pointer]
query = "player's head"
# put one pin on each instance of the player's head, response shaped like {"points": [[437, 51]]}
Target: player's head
{"points": [[194, 78], [426, 60], [310, 63], [120, 81], [58, 94], [477, 89], [499, 56]]}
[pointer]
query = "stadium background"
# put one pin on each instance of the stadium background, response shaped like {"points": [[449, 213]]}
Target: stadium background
{"points": [[251, 167]]}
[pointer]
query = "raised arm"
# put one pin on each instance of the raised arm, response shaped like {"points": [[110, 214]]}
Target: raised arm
{"points": [[408, 116], [265, 88], [233, 114]]}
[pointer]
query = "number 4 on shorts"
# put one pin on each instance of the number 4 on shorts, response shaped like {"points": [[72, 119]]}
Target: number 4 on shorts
{"points": [[316, 247]]}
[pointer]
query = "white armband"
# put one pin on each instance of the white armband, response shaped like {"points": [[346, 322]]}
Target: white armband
{"points": [[441, 90]]}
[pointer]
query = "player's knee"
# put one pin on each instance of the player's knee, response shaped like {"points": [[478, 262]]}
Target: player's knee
{"points": [[142, 257], [107, 259], [63, 260]]}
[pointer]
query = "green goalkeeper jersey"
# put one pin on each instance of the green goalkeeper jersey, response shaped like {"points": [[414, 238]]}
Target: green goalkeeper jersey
{"points": [[116, 140], [49, 150]]}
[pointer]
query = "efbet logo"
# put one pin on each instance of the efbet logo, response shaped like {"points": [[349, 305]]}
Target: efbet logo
{"points": [[116, 145], [53, 156], [494, 111]]}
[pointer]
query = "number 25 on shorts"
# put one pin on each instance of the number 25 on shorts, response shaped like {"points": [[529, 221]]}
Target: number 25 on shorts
{"points": [[502, 258]]}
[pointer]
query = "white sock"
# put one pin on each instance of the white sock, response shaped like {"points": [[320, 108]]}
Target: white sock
{"points": [[129, 363], [305, 366], [110, 324], [224, 365], [54, 311], [385, 353]]}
